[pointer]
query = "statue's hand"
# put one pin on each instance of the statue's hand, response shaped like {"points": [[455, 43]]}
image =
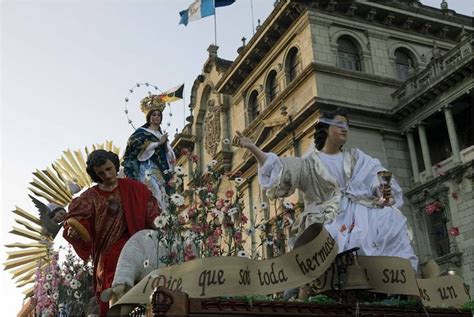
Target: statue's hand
{"points": [[242, 141], [164, 138]]}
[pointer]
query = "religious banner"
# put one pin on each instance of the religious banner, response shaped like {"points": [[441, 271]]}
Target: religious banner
{"points": [[311, 262], [237, 276], [443, 291], [391, 275]]}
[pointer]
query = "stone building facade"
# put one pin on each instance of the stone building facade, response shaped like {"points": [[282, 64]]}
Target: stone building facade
{"points": [[403, 71]]}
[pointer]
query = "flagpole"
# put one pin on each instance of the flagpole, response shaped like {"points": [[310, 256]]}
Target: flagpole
{"points": [[251, 9], [215, 24]]}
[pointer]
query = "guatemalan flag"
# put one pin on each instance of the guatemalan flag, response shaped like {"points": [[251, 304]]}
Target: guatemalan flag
{"points": [[202, 8]]}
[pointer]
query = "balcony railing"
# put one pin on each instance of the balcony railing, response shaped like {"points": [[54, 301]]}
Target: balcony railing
{"points": [[436, 70]]}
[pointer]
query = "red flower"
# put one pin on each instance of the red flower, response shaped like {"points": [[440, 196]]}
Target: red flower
{"points": [[454, 231], [229, 193], [343, 228], [194, 158], [455, 195], [243, 218]]}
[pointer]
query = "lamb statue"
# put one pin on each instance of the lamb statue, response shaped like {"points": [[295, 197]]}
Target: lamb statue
{"points": [[140, 256]]}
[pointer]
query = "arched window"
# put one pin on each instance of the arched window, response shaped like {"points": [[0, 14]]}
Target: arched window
{"points": [[292, 65], [347, 54], [271, 87], [253, 108], [403, 63]]}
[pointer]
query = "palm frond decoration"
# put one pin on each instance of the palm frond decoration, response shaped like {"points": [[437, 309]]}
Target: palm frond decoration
{"points": [[56, 184]]}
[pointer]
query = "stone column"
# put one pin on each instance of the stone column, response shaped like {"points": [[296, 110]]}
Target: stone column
{"points": [[453, 138], [413, 159], [425, 150]]}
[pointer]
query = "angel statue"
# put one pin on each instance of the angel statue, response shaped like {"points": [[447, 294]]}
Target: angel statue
{"points": [[51, 217]]}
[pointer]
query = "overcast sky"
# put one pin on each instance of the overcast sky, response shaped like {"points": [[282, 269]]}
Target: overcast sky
{"points": [[66, 67]]}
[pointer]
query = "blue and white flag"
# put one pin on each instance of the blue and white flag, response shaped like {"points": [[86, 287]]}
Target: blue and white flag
{"points": [[197, 10], [202, 8]]}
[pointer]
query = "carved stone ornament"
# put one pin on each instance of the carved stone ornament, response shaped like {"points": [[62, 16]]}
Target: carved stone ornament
{"points": [[212, 128]]}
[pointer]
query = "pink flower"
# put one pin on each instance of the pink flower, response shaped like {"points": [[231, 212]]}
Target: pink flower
{"points": [[171, 182], [185, 151], [454, 231], [243, 218], [455, 195], [220, 203], [433, 207], [229, 193], [343, 228], [238, 236], [181, 220], [194, 158], [218, 232], [192, 212]]}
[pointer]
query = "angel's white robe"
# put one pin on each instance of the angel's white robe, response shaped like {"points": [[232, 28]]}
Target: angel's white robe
{"points": [[340, 192]]}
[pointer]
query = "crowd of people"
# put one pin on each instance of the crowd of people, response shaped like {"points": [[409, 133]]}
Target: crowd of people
{"points": [[340, 187]]}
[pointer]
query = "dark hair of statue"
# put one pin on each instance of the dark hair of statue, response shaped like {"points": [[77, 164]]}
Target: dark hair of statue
{"points": [[321, 129], [148, 118], [98, 158]]}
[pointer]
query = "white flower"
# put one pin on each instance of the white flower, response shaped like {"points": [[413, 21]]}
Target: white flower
{"points": [[77, 294], [218, 214], [179, 171], [69, 292], [68, 277], [268, 242], [243, 254], [264, 205], [250, 230], [288, 205], [177, 199], [226, 141], [49, 276], [179, 182], [47, 286], [232, 211], [238, 180], [75, 284], [146, 263], [160, 221], [212, 163], [55, 296]]}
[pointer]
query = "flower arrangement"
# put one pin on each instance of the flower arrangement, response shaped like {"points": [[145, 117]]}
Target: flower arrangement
{"points": [[202, 221], [63, 288]]}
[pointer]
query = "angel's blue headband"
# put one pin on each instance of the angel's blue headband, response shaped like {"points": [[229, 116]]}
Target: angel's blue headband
{"points": [[337, 123]]}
